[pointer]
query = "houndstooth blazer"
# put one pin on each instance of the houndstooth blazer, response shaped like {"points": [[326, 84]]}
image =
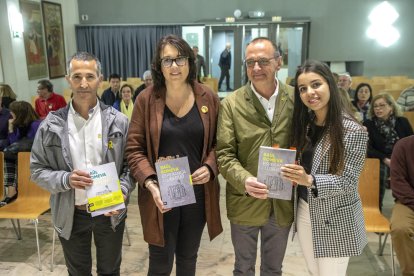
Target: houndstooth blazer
{"points": [[337, 219]]}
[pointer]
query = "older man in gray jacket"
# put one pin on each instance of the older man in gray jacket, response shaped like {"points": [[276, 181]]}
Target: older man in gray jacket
{"points": [[86, 133]]}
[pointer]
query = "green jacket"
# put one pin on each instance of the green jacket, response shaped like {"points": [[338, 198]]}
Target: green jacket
{"points": [[243, 127]]}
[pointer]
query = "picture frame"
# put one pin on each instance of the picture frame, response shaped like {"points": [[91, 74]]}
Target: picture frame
{"points": [[55, 42], [33, 38]]}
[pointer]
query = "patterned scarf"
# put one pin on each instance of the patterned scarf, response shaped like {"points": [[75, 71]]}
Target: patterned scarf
{"points": [[127, 110], [387, 129]]}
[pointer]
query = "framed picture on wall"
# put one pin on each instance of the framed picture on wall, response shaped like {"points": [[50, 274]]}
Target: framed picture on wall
{"points": [[55, 43], [34, 43]]}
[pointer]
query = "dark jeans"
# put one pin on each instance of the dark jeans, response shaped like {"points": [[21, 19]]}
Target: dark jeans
{"points": [[224, 73], [183, 227], [77, 249]]}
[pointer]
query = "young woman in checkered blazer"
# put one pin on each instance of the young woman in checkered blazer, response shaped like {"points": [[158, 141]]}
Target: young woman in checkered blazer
{"points": [[331, 147]]}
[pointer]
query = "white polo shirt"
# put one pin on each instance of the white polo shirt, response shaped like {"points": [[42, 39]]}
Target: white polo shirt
{"points": [[85, 140], [268, 105]]}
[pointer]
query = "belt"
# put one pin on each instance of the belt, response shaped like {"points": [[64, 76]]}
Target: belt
{"points": [[81, 207]]}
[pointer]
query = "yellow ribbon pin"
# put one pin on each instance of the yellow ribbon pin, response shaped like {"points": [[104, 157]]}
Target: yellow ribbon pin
{"points": [[110, 145], [204, 109]]}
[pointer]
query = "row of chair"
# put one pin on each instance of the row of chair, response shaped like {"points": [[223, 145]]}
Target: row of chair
{"points": [[379, 83]]}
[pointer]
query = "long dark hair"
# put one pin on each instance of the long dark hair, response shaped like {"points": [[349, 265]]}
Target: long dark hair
{"points": [[333, 122], [362, 84], [24, 112], [183, 49]]}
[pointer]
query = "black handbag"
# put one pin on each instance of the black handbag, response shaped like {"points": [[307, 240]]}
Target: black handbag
{"points": [[23, 145]]}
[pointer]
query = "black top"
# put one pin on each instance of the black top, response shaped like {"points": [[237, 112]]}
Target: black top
{"points": [[182, 136], [109, 98], [138, 90], [314, 135], [377, 141]]}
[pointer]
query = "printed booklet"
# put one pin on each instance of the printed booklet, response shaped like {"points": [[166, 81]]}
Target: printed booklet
{"points": [[174, 178], [105, 193], [270, 161]]}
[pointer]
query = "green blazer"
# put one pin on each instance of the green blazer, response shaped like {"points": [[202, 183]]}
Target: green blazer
{"points": [[243, 126]]}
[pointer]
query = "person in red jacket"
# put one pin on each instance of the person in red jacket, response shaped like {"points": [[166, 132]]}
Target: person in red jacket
{"points": [[48, 100], [402, 219]]}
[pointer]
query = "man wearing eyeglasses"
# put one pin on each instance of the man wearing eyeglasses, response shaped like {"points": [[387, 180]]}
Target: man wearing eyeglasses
{"points": [[86, 133], [225, 65], [258, 114]]}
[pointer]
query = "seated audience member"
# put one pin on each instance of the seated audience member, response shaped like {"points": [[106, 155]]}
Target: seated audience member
{"points": [[22, 127], [147, 77], [406, 99], [4, 119], [125, 104], [402, 219], [385, 127], [7, 94], [362, 99], [48, 100], [344, 82], [110, 95]]}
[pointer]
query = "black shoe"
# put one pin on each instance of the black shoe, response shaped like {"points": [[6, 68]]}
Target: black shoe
{"points": [[7, 200], [229, 89]]}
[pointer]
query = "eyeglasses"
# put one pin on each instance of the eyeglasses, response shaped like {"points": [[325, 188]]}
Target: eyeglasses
{"points": [[261, 61], [79, 78], [180, 61], [380, 106]]}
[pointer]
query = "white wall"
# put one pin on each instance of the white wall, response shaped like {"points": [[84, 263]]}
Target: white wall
{"points": [[13, 56]]}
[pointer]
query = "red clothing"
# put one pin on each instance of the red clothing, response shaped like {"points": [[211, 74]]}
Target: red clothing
{"points": [[402, 171], [54, 102]]}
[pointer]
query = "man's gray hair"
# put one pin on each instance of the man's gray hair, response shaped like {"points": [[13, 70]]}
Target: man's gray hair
{"points": [[146, 74], [262, 38], [84, 56], [346, 74]]}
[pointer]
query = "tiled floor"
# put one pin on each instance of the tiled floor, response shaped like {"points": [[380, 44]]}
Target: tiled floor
{"points": [[19, 257]]}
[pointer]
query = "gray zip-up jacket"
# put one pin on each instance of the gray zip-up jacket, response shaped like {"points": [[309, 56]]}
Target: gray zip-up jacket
{"points": [[51, 163]]}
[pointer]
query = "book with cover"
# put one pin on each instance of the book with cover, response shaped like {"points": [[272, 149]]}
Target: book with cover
{"points": [[105, 193], [270, 161], [174, 178]]}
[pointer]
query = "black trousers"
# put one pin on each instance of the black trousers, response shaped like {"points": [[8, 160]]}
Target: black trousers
{"points": [[224, 74], [183, 227], [77, 249]]}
